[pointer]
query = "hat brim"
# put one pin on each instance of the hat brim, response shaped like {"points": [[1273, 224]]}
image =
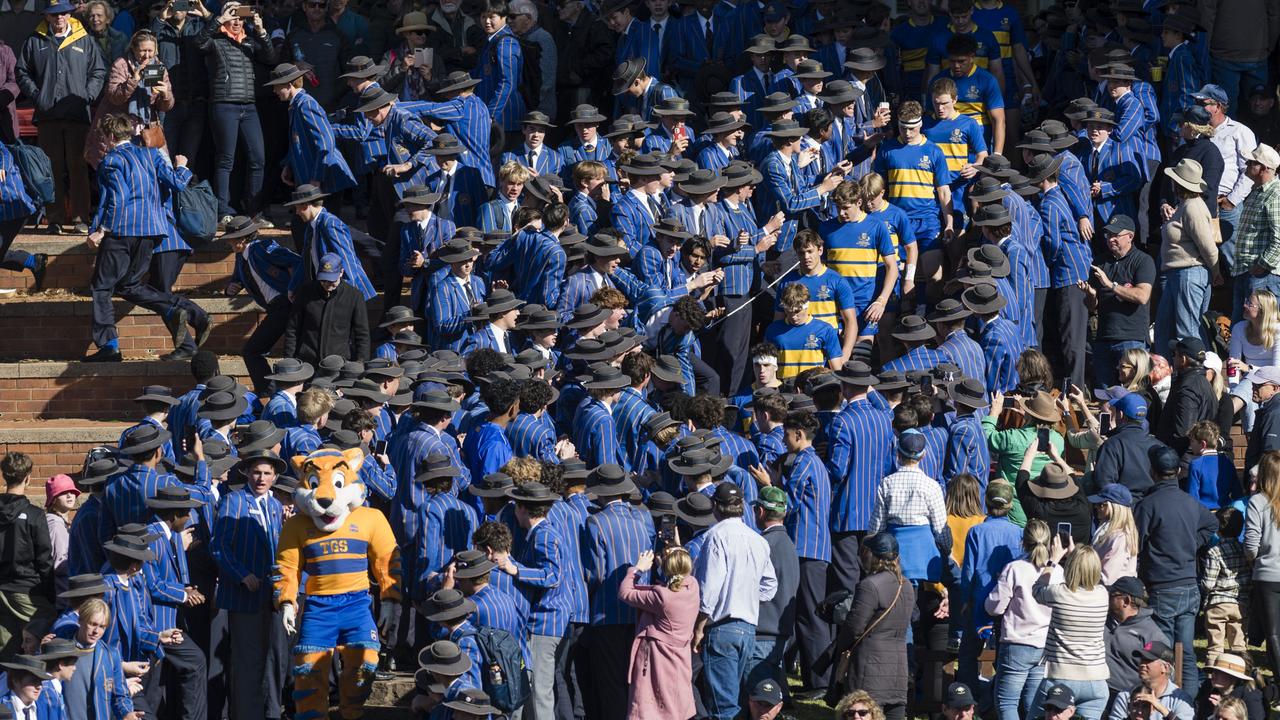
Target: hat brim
{"points": [[1183, 182], [865, 66], [755, 178], [426, 200], [19, 667], [1026, 408], [1054, 165], [379, 102], [165, 399], [616, 383], [459, 86], [790, 134], [227, 413], [144, 554], [279, 464], [245, 231], [695, 520], [843, 98], [173, 504], [399, 321], [996, 305], [694, 189], [924, 333], [363, 74], [1048, 493], [99, 589], [312, 197], [302, 375], [587, 120], [414, 28], [450, 613], [476, 571], [611, 490], [285, 78], [146, 447]]}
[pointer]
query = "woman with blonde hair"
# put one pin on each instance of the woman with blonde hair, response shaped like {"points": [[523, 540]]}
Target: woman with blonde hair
{"points": [[1262, 547], [964, 510], [1075, 652], [1133, 370], [858, 705], [1255, 342], [1116, 539], [1230, 709], [661, 662], [128, 90], [1025, 623]]}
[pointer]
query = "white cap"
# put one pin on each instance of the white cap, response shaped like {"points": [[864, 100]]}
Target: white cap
{"points": [[1266, 156], [1213, 362]]}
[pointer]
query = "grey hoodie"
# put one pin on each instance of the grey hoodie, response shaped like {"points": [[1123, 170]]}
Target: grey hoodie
{"points": [[1122, 639]]}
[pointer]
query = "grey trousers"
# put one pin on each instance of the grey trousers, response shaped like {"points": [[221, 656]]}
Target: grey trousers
{"points": [[259, 653], [542, 652]]}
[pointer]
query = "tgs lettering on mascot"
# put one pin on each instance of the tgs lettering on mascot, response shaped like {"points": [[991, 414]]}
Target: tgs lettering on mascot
{"points": [[338, 543]]}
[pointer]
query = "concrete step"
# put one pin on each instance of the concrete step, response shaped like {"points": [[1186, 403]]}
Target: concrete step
{"points": [[79, 391], [71, 265], [55, 325], [55, 446]]}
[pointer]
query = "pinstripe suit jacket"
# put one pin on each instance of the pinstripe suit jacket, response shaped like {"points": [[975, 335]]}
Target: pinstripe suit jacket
{"points": [[498, 70], [328, 234], [129, 203], [313, 152], [244, 543]]}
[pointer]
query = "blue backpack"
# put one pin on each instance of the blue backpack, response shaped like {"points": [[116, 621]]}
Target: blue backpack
{"points": [[36, 170], [195, 212], [502, 673]]}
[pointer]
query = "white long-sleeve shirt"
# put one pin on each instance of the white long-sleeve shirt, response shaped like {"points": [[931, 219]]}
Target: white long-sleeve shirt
{"points": [[1235, 141]]}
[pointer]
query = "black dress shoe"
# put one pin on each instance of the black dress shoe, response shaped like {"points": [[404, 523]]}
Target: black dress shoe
{"points": [[103, 355], [178, 354], [42, 266], [177, 325]]}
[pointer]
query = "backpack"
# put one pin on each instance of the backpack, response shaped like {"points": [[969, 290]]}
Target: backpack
{"points": [[36, 170], [529, 85], [502, 673], [195, 212]]}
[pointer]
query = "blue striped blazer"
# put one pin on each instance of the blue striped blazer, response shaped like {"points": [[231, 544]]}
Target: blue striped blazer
{"points": [[370, 141], [168, 444], [539, 264], [1116, 167], [167, 576], [468, 119], [498, 69], [595, 436], [639, 40], [15, 201], [808, 490], [129, 202], [461, 194], [132, 630], [125, 499], [1075, 185], [654, 270], [739, 259], [1067, 256], [967, 451], [447, 312], [278, 267], [328, 234], [415, 237], [244, 543], [313, 153], [495, 215], [282, 410], [107, 692], [407, 141], [634, 220], [539, 565], [860, 455], [1002, 346], [612, 542], [532, 437], [630, 413], [85, 553], [548, 162], [648, 100], [751, 91], [965, 353], [688, 46]]}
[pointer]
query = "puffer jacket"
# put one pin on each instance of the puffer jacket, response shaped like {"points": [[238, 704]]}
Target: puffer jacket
{"points": [[78, 57], [231, 63]]}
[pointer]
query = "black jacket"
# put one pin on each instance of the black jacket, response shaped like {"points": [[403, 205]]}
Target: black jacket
{"points": [[778, 616], [77, 57], [26, 555], [333, 325], [1124, 458], [179, 52], [1203, 151], [585, 54], [1173, 527], [231, 64], [1075, 510], [1266, 432], [1191, 399]]}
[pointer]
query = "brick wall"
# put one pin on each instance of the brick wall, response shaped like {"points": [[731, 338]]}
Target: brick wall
{"points": [[71, 267], [57, 448]]}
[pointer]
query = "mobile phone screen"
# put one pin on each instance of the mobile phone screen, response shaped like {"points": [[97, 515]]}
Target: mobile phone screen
{"points": [[1064, 533], [1042, 440]]}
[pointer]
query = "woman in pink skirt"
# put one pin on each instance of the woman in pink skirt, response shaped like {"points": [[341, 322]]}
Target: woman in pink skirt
{"points": [[661, 673]]}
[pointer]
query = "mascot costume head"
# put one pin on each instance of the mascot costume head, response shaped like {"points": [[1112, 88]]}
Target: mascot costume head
{"points": [[330, 486], [337, 544]]}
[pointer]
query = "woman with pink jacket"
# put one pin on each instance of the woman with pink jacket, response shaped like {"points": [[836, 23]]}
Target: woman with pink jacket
{"points": [[126, 91], [661, 659]]}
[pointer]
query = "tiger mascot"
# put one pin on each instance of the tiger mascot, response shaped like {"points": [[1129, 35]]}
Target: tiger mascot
{"points": [[338, 543]]}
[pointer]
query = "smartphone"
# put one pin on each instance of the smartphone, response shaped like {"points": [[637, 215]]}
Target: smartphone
{"points": [[667, 531], [1066, 386], [379, 447], [681, 132], [1104, 422], [882, 106], [926, 385], [1042, 440], [422, 57], [1064, 533], [246, 11]]}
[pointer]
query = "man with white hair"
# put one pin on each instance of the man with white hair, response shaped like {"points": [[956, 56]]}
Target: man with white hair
{"points": [[1257, 263], [524, 22]]}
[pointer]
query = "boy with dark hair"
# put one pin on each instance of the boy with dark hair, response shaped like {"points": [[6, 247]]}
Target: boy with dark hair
{"points": [[1226, 577], [486, 448], [1211, 477], [532, 432], [679, 339], [26, 556]]}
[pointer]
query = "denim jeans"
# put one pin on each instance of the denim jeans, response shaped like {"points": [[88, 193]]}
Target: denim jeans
{"points": [[1105, 356], [1243, 285], [230, 123], [1228, 220], [1183, 300], [765, 661], [726, 650], [1091, 697], [1019, 670], [1232, 75], [1174, 610]]}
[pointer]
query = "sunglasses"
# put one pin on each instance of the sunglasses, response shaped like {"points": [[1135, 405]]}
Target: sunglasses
{"points": [[858, 712]]}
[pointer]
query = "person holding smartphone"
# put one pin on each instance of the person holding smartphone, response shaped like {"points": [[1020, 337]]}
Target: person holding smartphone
{"points": [[1054, 495]]}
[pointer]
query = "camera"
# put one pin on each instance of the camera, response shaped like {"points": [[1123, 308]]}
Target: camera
{"points": [[152, 75]]}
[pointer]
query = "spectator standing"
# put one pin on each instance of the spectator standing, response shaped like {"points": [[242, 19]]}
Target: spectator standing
{"points": [[1257, 259], [1174, 528], [524, 23], [314, 157], [60, 495], [989, 547], [1120, 293], [779, 616], [233, 51], [1124, 456], [498, 68], [176, 30], [736, 574], [320, 49], [660, 667], [1189, 255], [1116, 539], [1266, 427], [328, 318], [1071, 586], [1195, 132], [1226, 580], [111, 42], [8, 94], [27, 586], [1241, 34], [1235, 141], [1191, 397], [1262, 547], [62, 70], [126, 92], [1024, 625], [1054, 495]]}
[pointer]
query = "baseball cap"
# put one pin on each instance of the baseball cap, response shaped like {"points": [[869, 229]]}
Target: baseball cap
{"points": [[1128, 585], [1258, 89], [999, 494], [959, 696], [1265, 375], [1132, 406], [1154, 650], [1059, 697], [1164, 460], [330, 268], [1211, 92], [767, 690], [772, 498], [1118, 224], [727, 492], [1192, 347], [911, 444], [1114, 493], [774, 11], [1266, 156]]}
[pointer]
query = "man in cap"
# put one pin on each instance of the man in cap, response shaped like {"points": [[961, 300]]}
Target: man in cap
{"points": [[1125, 455], [1156, 695], [1174, 528], [1124, 281], [1191, 398], [269, 273], [918, 551], [64, 91], [765, 700], [612, 540], [1257, 261], [1130, 625], [329, 317], [1256, 113], [1235, 141], [1059, 703], [989, 547], [959, 703], [735, 571], [1265, 436], [245, 535]]}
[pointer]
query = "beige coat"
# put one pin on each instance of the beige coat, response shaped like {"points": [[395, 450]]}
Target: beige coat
{"points": [[1189, 239]]}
